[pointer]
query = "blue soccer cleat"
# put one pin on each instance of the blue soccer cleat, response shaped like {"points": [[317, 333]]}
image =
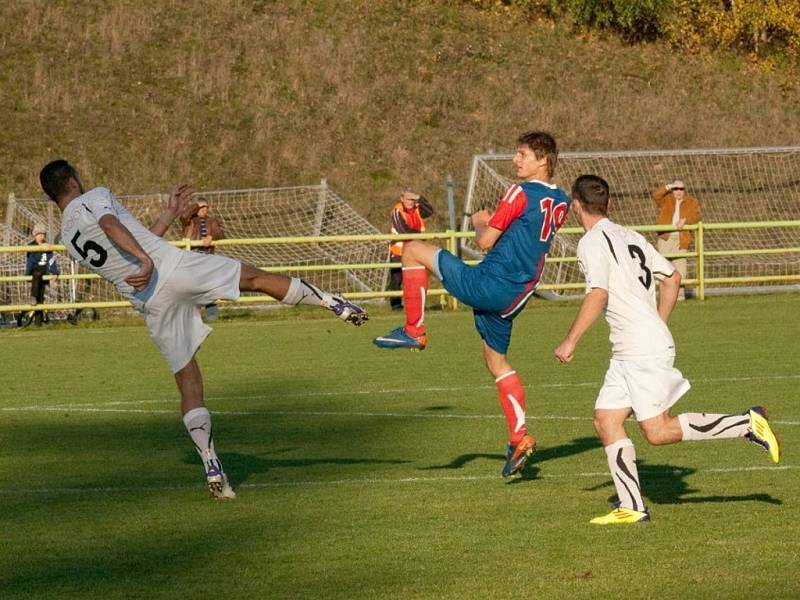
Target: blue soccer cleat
{"points": [[349, 312], [399, 338]]}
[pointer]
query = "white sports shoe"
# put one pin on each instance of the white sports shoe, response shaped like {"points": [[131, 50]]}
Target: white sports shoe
{"points": [[349, 312], [218, 484]]}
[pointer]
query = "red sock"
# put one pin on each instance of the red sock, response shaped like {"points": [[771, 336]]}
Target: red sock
{"points": [[512, 401], [415, 289]]}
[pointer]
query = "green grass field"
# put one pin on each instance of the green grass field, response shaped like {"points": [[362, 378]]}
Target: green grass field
{"points": [[370, 474]]}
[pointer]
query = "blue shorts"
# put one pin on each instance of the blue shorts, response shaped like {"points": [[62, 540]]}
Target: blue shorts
{"points": [[495, 302]]}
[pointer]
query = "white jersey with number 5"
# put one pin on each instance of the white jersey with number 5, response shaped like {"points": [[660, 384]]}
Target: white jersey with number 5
{"points": [[88, 244], [624, 264]]}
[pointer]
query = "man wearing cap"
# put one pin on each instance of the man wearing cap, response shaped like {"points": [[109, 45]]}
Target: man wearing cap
{"points": [[199, 225], [38, 265], [676, 208]]}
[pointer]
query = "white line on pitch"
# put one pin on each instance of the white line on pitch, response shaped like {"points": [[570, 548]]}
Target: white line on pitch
{"points": [[302, 413], [423, 390], [361, 481]]}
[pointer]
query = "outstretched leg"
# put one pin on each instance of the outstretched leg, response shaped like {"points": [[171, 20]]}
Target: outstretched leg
{"points": [[752, 425], [197, 420], [294, 291]]}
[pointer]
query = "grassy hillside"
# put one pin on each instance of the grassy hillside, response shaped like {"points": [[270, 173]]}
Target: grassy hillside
{"points": [[373, 95]]}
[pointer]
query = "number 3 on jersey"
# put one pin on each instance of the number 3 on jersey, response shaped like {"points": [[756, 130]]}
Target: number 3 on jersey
{"points": [[90, 246], [551, 217], [638, 253]]}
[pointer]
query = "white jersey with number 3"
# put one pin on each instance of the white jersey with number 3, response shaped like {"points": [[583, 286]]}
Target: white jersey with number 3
{"points": [[624, 264], [88, 244]]}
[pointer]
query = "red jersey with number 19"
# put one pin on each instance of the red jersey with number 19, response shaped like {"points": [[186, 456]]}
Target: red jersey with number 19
{"points": [[529, 215]]}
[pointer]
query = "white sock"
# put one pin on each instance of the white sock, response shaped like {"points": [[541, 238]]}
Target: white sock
{"points": [[302, 292], [198, 424], [703, 426], [622, 464]]}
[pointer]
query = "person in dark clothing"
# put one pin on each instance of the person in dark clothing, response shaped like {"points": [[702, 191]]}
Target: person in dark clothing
{"points": [[408, 216], [39, 264]]}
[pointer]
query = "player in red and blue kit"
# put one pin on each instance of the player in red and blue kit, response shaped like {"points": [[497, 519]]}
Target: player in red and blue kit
{"points": [[517, 237]]}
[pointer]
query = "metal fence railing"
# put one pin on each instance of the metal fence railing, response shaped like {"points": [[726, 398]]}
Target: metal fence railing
{"points": [[450, 240]]}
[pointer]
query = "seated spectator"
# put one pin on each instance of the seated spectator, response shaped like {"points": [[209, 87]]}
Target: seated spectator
{"points": [[38, 265]]}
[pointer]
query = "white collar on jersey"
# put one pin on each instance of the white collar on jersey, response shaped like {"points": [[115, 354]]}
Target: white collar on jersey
{"points": [[600, 224], [550, 185]]}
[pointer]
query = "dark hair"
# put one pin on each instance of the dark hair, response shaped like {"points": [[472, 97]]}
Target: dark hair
{"points": [[592, 192], [55, 176], [543, 145]]}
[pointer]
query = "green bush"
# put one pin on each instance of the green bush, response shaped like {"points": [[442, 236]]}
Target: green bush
{"points": [[768, 30], [634, 20]]}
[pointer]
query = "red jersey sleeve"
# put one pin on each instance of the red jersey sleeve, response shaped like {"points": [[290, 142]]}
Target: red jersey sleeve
{"points": [[511, 206]]}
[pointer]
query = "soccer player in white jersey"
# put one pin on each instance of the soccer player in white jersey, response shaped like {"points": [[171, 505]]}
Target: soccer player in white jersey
{"points": [[621, 269], [168, 286]]}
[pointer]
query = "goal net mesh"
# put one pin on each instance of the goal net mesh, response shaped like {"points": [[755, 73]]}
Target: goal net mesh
{"points": [[732, 185], [307, 211]]}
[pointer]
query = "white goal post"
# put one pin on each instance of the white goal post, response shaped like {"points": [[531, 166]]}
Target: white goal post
{"points": [[731, 184]]}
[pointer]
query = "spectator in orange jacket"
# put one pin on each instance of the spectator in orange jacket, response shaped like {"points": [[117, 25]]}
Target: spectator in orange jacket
{"points": [[408, 216], [676, 208]]}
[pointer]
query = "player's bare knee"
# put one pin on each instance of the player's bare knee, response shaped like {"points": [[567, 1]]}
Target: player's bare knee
{"points": [[656, 436], [601, 427]]}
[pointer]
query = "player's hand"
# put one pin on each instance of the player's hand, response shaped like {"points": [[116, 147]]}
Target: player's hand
{"points": [[480, 218], [180, 197], [207, 241], [53, 278], [681, 223], [564, 351], [141, 278]]}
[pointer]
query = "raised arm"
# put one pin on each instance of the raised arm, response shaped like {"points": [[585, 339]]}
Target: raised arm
{"points": [[660, 193], [178, 200], [425, 207], [592, 306]]}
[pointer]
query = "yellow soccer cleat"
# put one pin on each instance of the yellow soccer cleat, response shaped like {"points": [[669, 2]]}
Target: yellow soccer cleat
{"points": [[621, 516], [761, 433]]}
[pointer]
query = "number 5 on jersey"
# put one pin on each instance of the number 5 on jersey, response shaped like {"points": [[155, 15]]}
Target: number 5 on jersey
{"points": [[90, 246]]}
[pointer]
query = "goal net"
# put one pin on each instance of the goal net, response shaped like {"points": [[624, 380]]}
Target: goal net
{"points": [[732, 185], [304, 211]]}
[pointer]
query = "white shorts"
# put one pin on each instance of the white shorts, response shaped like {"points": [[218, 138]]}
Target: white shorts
{"points": [[173, 314], [649, 387]]}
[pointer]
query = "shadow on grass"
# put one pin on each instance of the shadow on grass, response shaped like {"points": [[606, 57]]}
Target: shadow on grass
{"points": [[239, 467], [666, 484], [531, 470]]}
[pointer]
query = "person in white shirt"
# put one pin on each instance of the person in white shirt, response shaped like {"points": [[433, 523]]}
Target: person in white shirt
{"points": [[621, 269], [168, 286]]}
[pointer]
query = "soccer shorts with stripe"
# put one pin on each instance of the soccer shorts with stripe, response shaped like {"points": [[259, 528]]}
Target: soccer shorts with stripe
{"points": [[495, 302]]}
